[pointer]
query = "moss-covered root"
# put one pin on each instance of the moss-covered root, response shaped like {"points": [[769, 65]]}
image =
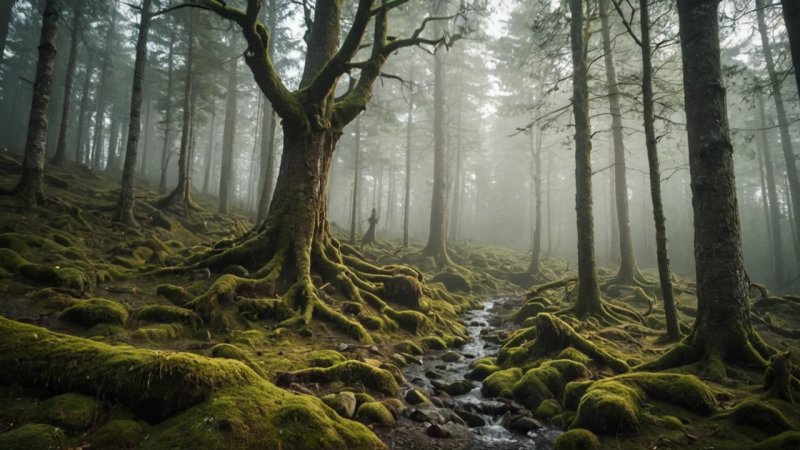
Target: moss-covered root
{"points": [[757, 414], [348, 372], [554, 335], [613, 405], [789, 439], [577, 439], [778, 379]]}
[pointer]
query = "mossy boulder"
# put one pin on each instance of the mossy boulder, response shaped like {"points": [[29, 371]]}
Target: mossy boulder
{"points": [[411, 321], [416, 397], [433, 343], [577, 439], [787, 440], [501, 383], [547, 381], [375, 413], [344, 403], [403, 290], [325, 358], [175, 294], [167, 314], [453, 282], [547, 409], [33, 436], [152, 333], [70, 410], [95, 311], [408, 347], [39, 272], [349, 372], [120, 434], [760, 415], [481, 371]]}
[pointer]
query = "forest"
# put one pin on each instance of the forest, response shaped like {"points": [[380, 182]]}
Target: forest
{"points": [[399, 224]]}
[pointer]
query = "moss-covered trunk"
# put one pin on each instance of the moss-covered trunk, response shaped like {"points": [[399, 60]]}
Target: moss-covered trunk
{"points": [[791, 17]]}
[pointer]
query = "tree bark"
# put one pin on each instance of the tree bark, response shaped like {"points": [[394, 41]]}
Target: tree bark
{"points": [[30, 188], [627, 262], [165, 150], [354, 219], [113, 141], [409, 133], [5, 20], [268, 128], [588, 301], [79, 156], [99, 123], [61, 147], [228, 141], [127, 195], [783, 123], [536, 160], [791, 18], [722, 332], [662, 254], [210, 148], [772, 195]]}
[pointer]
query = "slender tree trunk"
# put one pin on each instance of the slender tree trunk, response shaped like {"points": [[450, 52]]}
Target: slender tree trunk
{"points": [[165, 150], [83, 109], [662, 254], [268, 129], [409, 133], [61, 147], [356, 178], [627, 262], [228, 141], [550, 161], [112, 165], [791, 216], [536, 157], [458, 178], [252, 181], [722, 332], [766, 206], [182, 192], [5, 20], [127, 195], [100, 105], [148, 126], [210, 148], [437, 237], [791, 18], [588, 301], [772, 193], [30, 188], [783, 123]]}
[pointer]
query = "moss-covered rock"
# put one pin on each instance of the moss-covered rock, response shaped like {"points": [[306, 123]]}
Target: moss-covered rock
{"points": [[349, 372], [547, 409], [235, 269], [453, 282], [481, 371], [325, 358], [167, 314], [39, 272], [95, 311], [416, 397], [119, 434], [158, 332], [70, 410], [411, 321], [501, 383], [344, 403], [175, 294], [577, 439], [403, 290], [760, 415], [787, 440], [433, 343], [33, 436], [408, 347], [547, 381], [375, 413], [371, 322]]}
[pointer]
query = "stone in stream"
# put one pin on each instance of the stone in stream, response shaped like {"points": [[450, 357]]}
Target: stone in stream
{"points": [[416, 396], [437, 431], [418, 415], [398, 360], [432, 374], [472, 420], [460, 387], [411, 359], [519, 423], [451, 356], [437, 401]]}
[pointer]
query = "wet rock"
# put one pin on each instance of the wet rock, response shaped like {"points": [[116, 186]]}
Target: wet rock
{"points": [[472, 420], [437, 431], [454, 418], [441, 366], [437, 401], [520, 424], [411, 359], [344, 403], [433, 375], [398, 360], [493, 408], [460, 387], [415, 397], [451, 356], [418, 415]]}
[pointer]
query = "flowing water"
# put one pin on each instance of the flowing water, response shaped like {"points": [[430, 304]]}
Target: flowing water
{"points": [[435, 371]]}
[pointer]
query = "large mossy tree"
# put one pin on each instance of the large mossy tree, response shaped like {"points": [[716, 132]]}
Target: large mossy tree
{"points": [[722, 332], [295, 240]]}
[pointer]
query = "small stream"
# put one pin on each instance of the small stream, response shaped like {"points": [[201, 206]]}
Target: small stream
{"points": [[435, 372]]}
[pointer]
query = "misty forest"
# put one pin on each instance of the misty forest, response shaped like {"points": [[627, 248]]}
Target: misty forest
{"points": [[399, 224]]}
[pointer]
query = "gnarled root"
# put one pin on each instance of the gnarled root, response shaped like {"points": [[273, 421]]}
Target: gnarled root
{"points": [[779, 379]]}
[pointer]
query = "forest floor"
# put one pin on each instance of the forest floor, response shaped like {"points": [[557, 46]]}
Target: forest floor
{"points": [[100, 347]]}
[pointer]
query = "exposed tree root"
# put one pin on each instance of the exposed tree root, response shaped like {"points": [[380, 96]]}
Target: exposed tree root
{"points": [[556, 284], [779, 379]]}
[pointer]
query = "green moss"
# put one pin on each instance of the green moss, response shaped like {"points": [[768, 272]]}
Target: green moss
{"points": [[39, 273], [453, 282], [95, 311], [230, 352], [344, 403], [481, 371], [235, 269], [262, 308], [408, 347], [501, 383], [175, 294], [787, 440], [573, 355], [375, 413], [10, 260], [167, 314], [118, 434], [156, 332], [411, 321], [13, 242], [325, 358], [577, 439], [50, 300], [547, 381], [73, 278], [33, 436], [573, 391], [433, 343], [760, 415], [70, 410], [349, 372], [547, 409], [371, 322], [416, 397], [530, 308], [363, 397]]}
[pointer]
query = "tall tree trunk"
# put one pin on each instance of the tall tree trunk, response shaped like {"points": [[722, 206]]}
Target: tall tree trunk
{"points": [[791, 18], [127, 195], [627, 263], [210, 148], [354, 219], [5, 21], [99, 124], [79, 156], [764, 194], [772, 195], [409, 133], [182, 192], [662, 254], [458, 176], [437, 236], [783, 123], [61, 147], [588, 301], [113, 141], [148, 126], [268, 127], [536, 161], [165, 150], [722, 332], [30, 188], [228, 141], [550, 162]]}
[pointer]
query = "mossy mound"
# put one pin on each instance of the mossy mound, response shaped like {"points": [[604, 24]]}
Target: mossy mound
{"points": [[403, 290], [547, 381], [70, 410], [530, 308], [95, 311], [501, 383], [167, 314], [787, 440], [33, 436], [349, 372], [119, 434], [481, 371], [577, 439], [453, 282], [759, 415], [325, 358], [433, 343], [175, 294], [375, 413], [344, 403], [408, 347], [613, 405]]}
